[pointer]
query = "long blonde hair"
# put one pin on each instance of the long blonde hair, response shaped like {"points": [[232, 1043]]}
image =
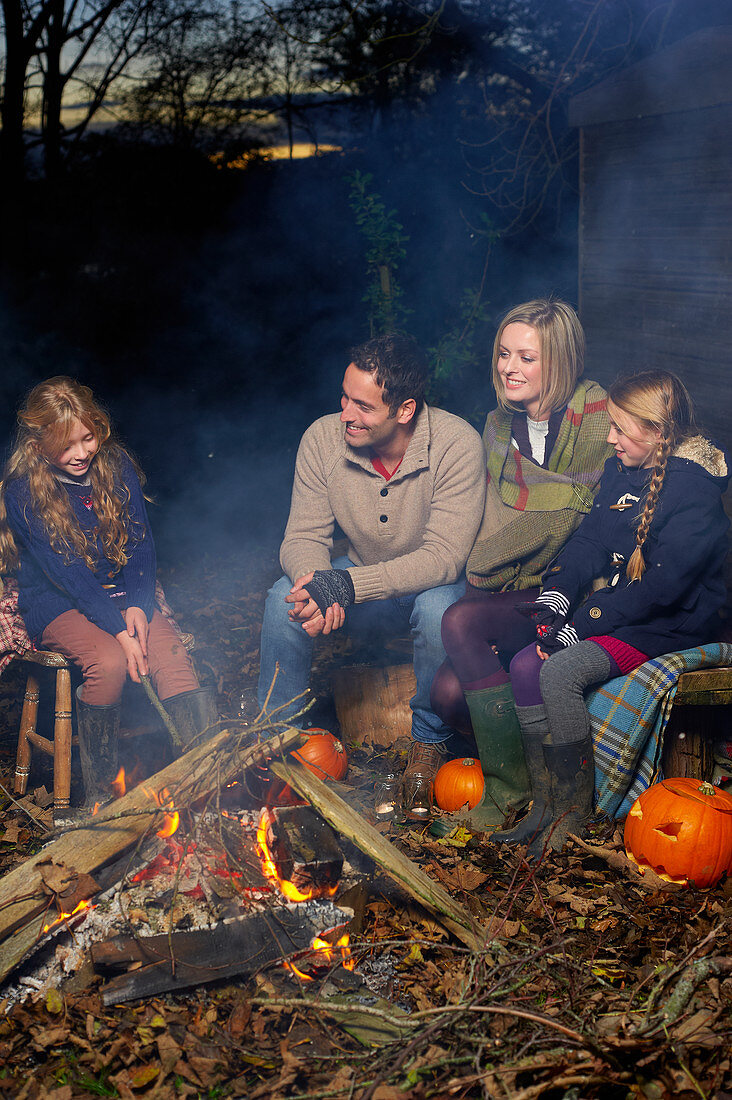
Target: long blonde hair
{"points": [[45, 423], [660, 402], [562, 347]]}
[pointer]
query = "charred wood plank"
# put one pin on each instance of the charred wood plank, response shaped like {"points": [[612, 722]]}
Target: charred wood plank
{"points": [[304, 848], [232, 948]]}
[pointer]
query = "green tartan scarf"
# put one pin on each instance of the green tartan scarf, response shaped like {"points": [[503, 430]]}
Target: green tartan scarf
{"points": [[531, 512], [575, 464]]}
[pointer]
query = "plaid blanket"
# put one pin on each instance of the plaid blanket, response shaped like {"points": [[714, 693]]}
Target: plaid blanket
{"points": [[14, 640], [629, 716]]}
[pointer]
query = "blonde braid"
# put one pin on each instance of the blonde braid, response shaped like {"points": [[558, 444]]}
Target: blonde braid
{"points": [[637, 566]]}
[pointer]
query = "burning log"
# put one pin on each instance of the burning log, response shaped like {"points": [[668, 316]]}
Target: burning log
{"points": [[303, 849], [401, 869], [235, 947], [24, 896]]}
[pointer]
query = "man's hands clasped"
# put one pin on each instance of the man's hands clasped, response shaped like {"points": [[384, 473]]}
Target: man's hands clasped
{"points": [[319, 600]]}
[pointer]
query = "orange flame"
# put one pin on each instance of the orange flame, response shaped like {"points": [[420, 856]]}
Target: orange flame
{"points": [[323, 953], [63, 917], [269, 869], [119, 785], [329, 950], [297, 972], [172, 817]]}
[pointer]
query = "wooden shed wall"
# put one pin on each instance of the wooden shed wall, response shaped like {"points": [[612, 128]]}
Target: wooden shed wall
{"points": [[656, 252], [656, 219]]}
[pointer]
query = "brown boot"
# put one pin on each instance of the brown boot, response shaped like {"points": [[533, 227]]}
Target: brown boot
{"points": [[425, 760]]}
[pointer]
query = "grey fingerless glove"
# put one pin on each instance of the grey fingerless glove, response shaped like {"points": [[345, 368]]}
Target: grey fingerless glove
{"points": [[330, 586]]}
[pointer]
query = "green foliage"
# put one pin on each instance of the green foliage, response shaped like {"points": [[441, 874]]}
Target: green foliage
{"points": [[69, 1072], [460, 350], [385, 251]]}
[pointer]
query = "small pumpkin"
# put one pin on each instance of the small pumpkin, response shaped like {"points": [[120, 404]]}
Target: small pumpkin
{"points": [[457, 782], [323, 755], [682, 829]]}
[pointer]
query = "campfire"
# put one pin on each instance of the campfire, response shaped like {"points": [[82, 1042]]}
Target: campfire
{"points": [[190, 888], [210, 895]]}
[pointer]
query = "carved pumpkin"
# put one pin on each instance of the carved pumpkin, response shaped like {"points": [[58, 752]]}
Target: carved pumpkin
{"points": [[457, 782], [323, 755], [682, 829]]}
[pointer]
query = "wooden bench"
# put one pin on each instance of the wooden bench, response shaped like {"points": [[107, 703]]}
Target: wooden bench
{"points": [[372, 705], [698, 716]]}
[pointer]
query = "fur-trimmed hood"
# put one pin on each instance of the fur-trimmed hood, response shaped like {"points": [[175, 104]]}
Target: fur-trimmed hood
{"points": [[705, 453]]}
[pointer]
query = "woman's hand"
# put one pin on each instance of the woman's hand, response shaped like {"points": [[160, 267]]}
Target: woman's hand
{"points": [[137, 626], [136, 660]]}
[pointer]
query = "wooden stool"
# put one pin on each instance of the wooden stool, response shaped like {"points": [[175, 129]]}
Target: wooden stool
{"points": [[372, 704], [688, 744], [28, 739]]}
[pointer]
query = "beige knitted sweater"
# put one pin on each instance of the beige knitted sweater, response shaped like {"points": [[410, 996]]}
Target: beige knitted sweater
{"points": [[406, 535]]}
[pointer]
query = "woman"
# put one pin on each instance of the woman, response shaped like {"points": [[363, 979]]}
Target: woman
{"points": [[546, 445]]}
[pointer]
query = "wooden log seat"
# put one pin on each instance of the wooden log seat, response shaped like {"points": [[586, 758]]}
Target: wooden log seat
{"points": [[372, 704]]}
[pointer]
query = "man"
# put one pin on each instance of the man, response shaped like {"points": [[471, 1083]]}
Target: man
{"points": [[406, 485]]}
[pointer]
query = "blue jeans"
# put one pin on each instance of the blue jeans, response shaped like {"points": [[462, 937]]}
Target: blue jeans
{"points": [[286, 643]]}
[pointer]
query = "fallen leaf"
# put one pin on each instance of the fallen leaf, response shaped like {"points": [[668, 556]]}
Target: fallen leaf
{"points": [[145, 1076], [54, 1002]]}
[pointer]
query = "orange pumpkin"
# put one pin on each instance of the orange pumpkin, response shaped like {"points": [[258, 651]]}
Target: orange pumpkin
{"points": [[682, 829], [323, 755], [457, 782]]}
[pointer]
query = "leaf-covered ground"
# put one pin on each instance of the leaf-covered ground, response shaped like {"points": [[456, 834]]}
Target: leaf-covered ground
{"points": [[593, 982]]}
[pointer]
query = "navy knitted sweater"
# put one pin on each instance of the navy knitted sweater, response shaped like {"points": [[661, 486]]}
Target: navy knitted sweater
{"points": [[676, 602], [49, 586]]}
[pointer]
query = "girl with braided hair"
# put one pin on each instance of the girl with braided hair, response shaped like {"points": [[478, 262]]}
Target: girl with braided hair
{"points": [[657, 534]]}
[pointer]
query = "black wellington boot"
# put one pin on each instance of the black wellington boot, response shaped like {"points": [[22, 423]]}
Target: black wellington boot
{"points": [[98, 729], [193, 712], [534, 728], [572, 770]]}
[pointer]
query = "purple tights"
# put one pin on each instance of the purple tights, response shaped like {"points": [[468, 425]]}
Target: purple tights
{"points": [[470, 630], [527, 665]]}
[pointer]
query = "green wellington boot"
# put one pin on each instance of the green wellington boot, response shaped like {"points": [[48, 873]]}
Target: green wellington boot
{"points": [[572, 771], [193, 712], [498, 737], [98, 730], [534, 735], [540, 813]]}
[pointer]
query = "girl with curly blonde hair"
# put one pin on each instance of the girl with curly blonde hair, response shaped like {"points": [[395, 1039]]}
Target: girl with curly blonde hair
{"points": [[74, 532]]}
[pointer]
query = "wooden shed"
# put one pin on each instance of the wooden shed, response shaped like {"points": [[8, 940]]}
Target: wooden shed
{"points": [[655, 253]]}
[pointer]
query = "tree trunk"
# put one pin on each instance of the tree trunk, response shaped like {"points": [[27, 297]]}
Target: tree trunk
{"points": [[12, 149], [53, 87]]}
